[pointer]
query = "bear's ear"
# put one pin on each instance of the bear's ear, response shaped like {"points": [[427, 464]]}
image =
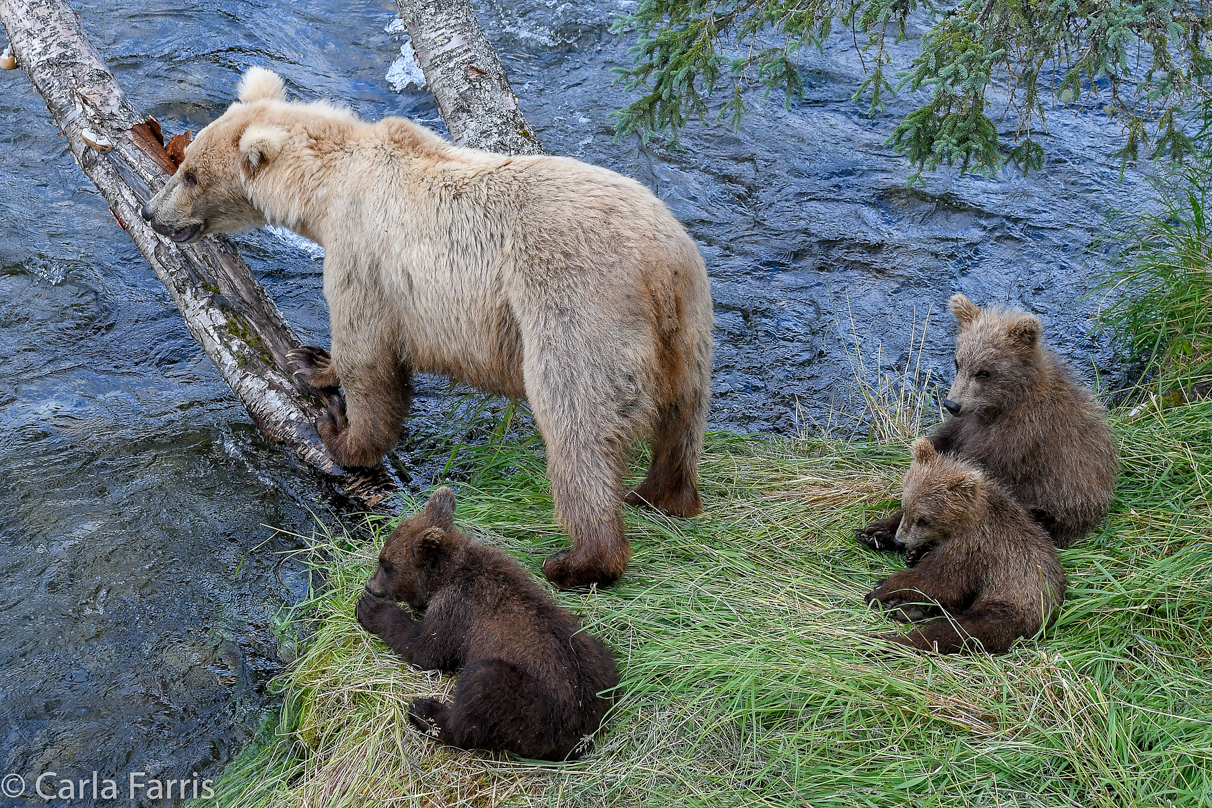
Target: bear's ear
{"points": [[923, 450], [441, 508], [258, 83], [429, 543], [965, 310], [1025, 331], [259, 145], [969, 484]]}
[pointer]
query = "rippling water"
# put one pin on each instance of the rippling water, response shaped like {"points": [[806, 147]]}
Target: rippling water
{"points": [[141, 577]]}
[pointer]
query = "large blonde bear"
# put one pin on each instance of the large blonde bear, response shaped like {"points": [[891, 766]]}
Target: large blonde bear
{"points": [[541, 278]]}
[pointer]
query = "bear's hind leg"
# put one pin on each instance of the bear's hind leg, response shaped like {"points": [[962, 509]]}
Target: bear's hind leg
{"points": [[995, 626], [671, 484], [359, 430], [586, 484], [497, 707]]}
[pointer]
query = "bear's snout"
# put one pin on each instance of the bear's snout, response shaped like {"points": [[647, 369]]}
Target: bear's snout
{"points": [[952, 407]]}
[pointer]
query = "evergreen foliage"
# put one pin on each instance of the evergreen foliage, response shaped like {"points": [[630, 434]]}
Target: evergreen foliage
{"points": [[1139, 60]]}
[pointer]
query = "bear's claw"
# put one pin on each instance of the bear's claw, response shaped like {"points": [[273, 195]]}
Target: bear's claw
{"points": [[877, 537], [427, 715], [312, 365], [912, 557]]}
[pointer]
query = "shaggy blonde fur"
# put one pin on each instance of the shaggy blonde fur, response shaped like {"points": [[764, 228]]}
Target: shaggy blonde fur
{"points": [[541, 278]]}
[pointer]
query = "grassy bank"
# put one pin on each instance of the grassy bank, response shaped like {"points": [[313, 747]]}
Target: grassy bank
{"points": [[749, 678]]}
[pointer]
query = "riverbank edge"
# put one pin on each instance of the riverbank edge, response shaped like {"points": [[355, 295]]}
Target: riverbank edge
{"points": [[750, 675]]}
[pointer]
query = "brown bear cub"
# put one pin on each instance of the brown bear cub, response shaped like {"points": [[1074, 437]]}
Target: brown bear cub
{"points": [[533, 683], [1018, 414], [993, 576]]}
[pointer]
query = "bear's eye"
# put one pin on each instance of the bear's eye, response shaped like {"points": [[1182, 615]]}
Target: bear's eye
{"points": [[191, 178], [385, 566], [925, 521], [982, 374]]}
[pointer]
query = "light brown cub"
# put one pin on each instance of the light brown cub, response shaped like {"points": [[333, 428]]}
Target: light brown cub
{"points": [[1018, 414], [993, 576]]}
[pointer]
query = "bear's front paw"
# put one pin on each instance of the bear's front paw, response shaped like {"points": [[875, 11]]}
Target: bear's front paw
{"points": [[312, 366], [880, 534], [428, 715], [912, 557], [872, 598], [908, 612], [883, 602], [374, 614]]}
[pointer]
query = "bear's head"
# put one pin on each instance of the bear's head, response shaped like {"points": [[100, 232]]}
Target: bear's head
{"points": [[211, 191], [997, 358], [416, 553], [942, 497]]}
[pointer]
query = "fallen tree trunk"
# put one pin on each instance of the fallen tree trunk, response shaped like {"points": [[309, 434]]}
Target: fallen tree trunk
{"points": [[466, 77], [225, 308]]}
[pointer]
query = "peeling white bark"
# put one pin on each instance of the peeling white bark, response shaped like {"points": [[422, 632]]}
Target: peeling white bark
{"points": [[224, 306], [466, 77]]}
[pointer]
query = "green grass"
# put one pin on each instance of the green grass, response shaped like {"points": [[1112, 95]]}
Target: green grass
{"points": [[1158, 292], [750, 677]]}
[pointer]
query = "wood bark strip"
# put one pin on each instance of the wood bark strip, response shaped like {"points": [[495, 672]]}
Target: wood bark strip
{"points": [[466, 77], [225, 308]]}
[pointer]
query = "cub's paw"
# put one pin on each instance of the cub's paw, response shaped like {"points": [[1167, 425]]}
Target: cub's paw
{"points": [[374, 614], [905, 612], [312, 365], [880, 534], [428, 715], [912, 557], [872, 598]]}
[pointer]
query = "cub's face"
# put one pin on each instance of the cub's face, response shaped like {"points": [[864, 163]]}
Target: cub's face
{"points": [[997, 357], [415, 551], [208, 194], [939, 498]]}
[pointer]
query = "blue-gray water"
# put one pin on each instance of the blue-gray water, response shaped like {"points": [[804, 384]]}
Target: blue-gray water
{"points": [[140, 574]]}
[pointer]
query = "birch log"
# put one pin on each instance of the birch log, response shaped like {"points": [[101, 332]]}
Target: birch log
{"points": [[225, 308], [466, 77]]}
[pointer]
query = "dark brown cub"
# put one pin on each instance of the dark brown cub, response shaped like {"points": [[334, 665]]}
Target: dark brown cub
{"points": [[533, 682]]}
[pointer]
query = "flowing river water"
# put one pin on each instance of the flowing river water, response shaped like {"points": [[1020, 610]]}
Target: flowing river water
{"points": [[141, 574]]}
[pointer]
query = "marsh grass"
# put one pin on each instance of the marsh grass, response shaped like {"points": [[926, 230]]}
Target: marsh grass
{"points": [[1158, 293], [750, 676], [894, 402]]}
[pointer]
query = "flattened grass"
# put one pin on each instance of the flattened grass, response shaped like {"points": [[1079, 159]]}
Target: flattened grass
{"points": [[749, 674]]}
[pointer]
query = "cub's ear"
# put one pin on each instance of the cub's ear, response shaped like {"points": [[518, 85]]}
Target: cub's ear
{"points": [[969, 484], [441, 508], [923, 450], [964, 310], [258, 83], [1025, 331], [259, 145], [429, 543]]}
